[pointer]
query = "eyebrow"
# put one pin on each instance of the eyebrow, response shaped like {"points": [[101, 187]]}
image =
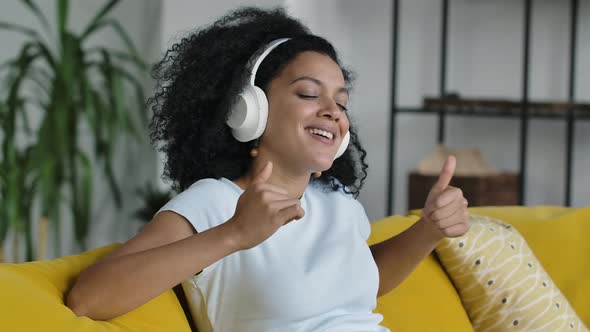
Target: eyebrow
{"points": [[318, 82]]}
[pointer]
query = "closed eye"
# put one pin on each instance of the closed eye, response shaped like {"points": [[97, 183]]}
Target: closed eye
{"points": [[342, 107]]}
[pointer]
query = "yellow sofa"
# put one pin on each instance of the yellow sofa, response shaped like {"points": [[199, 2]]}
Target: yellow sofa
{"points": [[32, 294]]}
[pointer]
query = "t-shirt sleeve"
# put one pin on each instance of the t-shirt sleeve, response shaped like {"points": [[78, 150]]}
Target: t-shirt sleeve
{"points": [[205, 204], [357, 211], [364, 223], [361, 218]]}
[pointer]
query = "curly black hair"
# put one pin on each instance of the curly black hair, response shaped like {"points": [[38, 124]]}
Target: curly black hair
{"points": [[198, 80]]}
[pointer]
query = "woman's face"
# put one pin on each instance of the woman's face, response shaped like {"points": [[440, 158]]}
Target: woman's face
{"points": [[308, 95]]}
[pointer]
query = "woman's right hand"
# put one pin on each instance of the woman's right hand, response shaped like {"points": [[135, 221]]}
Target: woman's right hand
{"points": [[261, 210]]}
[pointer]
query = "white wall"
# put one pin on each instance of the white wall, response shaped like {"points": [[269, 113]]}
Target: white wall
{"points": [[180, 17], [484, 61]]}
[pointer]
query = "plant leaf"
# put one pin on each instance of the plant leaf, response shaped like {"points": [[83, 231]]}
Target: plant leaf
{"points": [[115, 25], [84, 207], [125, 57], [33, 6], [25, 118], [104, 144], [62, 16], [21, 66], [3, 111], [100, 110], [99, 15], [113, 184], [49, 58], [19, 28]]}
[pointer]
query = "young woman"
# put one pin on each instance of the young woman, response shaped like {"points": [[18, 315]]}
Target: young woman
{"points": [[266, 234]]}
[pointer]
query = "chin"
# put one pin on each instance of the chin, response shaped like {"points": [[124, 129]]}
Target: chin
{"points": [[323, 165], [319, 162]]}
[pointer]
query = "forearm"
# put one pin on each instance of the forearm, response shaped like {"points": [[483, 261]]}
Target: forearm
{"points": [[398, 256], [120, 284]]}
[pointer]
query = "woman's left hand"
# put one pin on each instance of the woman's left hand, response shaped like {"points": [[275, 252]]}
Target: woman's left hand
{"points": [[445, 210]]}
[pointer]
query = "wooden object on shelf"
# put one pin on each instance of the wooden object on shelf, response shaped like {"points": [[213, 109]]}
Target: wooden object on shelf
{"points": [[489, 190], [454, 103]]}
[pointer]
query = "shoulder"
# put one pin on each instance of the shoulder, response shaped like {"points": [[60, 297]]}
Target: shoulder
{"points": [[208, 189], [205, 203], [208, 186]]}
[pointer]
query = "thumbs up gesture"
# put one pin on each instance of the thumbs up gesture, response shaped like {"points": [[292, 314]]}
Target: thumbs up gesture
{"points": [[446, 208], [262, 209]]}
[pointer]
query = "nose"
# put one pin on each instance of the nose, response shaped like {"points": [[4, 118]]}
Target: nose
{"points": [[330, 109]]}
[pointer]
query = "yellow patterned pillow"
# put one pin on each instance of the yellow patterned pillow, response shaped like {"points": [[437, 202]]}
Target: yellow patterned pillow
{"points": [[502, 285]]}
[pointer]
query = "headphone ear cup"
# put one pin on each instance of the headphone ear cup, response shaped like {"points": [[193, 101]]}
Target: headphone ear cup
{"points": [[249, 114], [262, 103], [343, 145]]}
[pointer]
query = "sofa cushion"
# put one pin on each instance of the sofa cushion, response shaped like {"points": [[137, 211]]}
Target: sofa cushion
{"points": [[34, 293], [502, 284], [426, 301], [558, 237]]}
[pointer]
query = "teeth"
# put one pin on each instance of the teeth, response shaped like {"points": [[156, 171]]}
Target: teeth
{"points": [[321, 132]]}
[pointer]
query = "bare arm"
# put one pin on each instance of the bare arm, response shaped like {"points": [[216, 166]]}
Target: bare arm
{"points": [[398, 256], [169, 251], [166, 252], [444, 215]]}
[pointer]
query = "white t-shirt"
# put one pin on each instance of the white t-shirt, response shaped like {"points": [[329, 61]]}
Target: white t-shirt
{"points": [[315, 274]]}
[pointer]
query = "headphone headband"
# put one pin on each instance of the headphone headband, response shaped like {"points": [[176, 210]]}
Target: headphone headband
{"points": [[257, 59]]}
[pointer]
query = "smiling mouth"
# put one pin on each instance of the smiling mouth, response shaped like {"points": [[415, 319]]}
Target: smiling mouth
{"points": [[322, 137], [321, 133]]}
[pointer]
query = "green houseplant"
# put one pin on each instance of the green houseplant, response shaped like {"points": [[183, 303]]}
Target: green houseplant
{"points": [[77, 91], [16, 181]]}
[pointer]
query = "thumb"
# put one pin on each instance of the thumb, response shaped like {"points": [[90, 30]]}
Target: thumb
{"points": [[264, 173], [446, 174]]}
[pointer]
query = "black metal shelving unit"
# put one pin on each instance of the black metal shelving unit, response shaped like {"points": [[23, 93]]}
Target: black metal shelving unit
{"points": [[524, 115]]}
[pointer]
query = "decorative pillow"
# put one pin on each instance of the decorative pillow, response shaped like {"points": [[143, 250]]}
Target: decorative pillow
{"points": [[502, 285], [33, 297]]}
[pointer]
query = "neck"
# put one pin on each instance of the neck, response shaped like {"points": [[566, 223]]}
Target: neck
{"points": [[283, 177]]}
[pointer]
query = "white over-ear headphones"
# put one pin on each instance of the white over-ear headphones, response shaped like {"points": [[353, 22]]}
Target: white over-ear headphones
{"points": [[249, 112]]}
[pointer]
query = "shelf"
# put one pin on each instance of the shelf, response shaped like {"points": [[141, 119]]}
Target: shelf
{"points": [[449, 103], [577, 114]]}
